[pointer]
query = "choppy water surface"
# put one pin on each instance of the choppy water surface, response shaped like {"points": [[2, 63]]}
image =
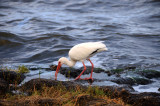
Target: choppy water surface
{"points": [[38, 32]]}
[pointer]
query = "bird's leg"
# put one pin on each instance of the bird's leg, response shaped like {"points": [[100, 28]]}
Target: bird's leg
{"points": [[91, 71], [81, 72]]}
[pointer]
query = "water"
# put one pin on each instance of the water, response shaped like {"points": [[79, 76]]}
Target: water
{"points": [[39, 32]]}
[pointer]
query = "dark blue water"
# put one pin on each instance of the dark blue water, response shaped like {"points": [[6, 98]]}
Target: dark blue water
{"points": [[38, 32]]}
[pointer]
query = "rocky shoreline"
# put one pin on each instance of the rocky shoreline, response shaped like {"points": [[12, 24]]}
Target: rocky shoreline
{"points": [[143, 76], [9, 81]]}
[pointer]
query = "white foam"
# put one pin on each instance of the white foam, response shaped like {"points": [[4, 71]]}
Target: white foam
{"points": [[153, 87], [143, 88]]}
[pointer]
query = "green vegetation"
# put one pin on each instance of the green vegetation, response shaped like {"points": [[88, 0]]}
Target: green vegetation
{"points": [[60, 95], [149, 71], [95, 91], [39, 74], [6, 69], [22, 69], [117, 70]]}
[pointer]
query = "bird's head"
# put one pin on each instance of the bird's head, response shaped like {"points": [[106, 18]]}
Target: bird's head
{"points": [[61, 61]]}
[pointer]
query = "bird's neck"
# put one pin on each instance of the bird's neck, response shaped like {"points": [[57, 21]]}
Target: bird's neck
{"points": [[70, 63]]}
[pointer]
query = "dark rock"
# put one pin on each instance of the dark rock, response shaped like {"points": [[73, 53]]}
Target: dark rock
{"points": [[128, 88], [132, 81], [117, 72], [149, 73], [12, 77], [130, 68], [45, 68], [53, 67], [114, 71], [90, 81], [47, 101], [4, 87], [96, 70], [114, 91], [72, 72], [159, 89], [67, 71], [108, 73], [82, 100], [87, 100], [40, 101], [39, 83], [118, 75], [143, 99]]}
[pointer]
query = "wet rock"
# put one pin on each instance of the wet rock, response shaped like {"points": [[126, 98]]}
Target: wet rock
{"points": [[70, 72], [130, 68], [96, 70], [126, 87], [149, 73], [132, 81], [11, 77], [67, 71], [88, 69], [53, 67], [4, 86], [73, 73], [108, 73], [116, 71]]}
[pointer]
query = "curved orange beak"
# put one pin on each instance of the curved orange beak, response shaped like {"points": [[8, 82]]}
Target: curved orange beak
{"points": [[57, 70]]}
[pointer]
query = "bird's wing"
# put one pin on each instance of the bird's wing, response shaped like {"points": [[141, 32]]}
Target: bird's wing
{"points": [[85, 50]]}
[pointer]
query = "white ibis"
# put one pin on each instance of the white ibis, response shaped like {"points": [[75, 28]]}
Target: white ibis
{"points": [[81, 52]]}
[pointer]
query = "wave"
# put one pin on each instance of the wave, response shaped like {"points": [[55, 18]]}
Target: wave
{"points": [[10, 39]]}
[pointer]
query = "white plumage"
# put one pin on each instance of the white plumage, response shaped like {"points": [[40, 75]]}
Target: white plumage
{"points": [[81, 52]]}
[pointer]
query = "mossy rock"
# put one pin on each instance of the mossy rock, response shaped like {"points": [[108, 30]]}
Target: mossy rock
{"points": [[132, 81], [39, 83], [149, 73], [137, 99], [88, 100], [114, 71], [11, 77], [72, 72]]}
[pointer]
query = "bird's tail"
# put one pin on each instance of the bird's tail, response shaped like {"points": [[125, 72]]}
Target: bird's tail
{"points": [[103, 46], [103, 49]]}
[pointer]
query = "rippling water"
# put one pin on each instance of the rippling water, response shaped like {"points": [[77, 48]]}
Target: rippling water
{"points": [[41, 31]]}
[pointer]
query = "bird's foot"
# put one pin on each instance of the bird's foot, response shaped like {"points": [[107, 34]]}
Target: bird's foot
{"points": [[90, 78]]}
